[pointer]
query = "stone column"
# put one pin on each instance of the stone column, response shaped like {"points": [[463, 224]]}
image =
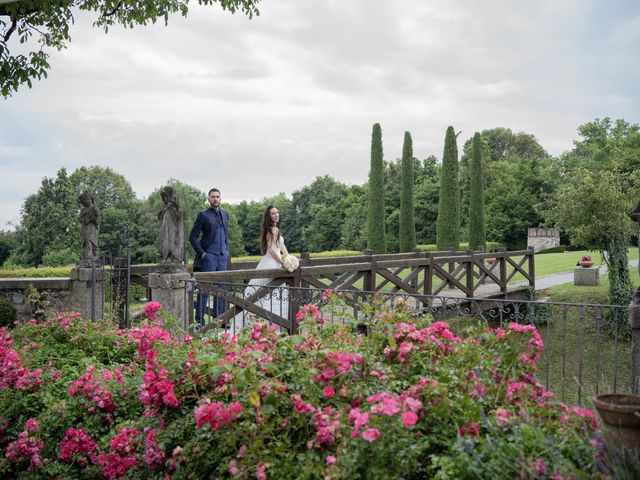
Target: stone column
{"points": [[169, 290], [87, 291]]}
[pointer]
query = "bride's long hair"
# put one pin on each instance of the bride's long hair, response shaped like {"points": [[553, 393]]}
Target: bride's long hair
{"points": [[265, 229]]}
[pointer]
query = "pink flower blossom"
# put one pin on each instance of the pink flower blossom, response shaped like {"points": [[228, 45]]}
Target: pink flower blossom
{"points": [[539, 467], [502, 417], [26, 447], [330, 460], [151, 308], [216, 415], [409, 419], [76, 446], [260, 471], [371, 434], [471, 429], [328, 392]]}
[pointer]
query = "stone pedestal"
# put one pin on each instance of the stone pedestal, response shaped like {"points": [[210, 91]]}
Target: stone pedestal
{"points": [[588, 276], [87, 291], [169, 290]]}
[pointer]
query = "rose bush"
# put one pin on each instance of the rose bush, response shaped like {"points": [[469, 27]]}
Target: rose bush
{"points": [[409, 400]]}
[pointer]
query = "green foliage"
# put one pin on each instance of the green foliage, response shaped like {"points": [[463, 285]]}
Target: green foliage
{"points": [[427, 193], [375, 212], [49, 220], [8, 313], [432, 247], [59, 258], [8, 242], [48, 21], [477, 237], [518, 175], [448, 223], [407, 237]]}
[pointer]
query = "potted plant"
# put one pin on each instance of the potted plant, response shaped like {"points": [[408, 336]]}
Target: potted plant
{"points": [[620, 414], [586, 261]]}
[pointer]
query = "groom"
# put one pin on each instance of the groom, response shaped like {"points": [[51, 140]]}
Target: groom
{"points": [[212, 250]]}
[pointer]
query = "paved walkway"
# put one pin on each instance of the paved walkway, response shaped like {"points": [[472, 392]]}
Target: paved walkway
{"points": [[567, 277]]}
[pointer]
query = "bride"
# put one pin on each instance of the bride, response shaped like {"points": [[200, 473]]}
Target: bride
{"points": [[272, 247]]}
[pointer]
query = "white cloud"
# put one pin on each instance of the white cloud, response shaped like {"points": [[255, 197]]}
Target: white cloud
{"points": [[261, 106]]}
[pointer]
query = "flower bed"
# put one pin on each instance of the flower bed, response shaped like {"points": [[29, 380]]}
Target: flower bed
{"points": [[411, 400]]}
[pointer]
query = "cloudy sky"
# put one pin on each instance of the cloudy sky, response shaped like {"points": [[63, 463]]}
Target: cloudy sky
{"points": [[261, 106]]}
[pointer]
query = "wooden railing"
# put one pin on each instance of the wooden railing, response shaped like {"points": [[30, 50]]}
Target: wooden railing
{"points": [[421, 275]]}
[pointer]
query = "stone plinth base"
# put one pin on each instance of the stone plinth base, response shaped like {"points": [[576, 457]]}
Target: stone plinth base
{"points": [[169, 290], [87, 291], [588, 276]]}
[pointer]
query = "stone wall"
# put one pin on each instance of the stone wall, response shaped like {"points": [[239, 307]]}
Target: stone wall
{"points": [[543, 238], [56, 292]]}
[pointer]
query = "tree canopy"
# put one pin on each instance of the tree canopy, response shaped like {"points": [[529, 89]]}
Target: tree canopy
{"points": [[46, 23]]}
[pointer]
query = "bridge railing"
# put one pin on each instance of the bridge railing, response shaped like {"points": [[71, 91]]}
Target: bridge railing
{"points": [[421, 274]]}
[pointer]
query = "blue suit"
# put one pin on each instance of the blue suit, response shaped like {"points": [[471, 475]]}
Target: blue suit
{"points": [[212, 252]]}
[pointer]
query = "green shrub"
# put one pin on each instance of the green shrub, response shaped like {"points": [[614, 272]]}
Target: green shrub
{"points": [[8, 313], [59, 258]]}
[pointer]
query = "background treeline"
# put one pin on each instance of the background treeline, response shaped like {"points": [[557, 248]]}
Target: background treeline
{"points": [[523, 187]]}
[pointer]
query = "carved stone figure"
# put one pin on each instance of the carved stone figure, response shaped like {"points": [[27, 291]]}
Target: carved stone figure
{"points": [[90, 227], [171, 239]]}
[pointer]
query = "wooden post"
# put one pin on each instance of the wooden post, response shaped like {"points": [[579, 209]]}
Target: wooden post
{"points": [[532, 268], [503, 271], [428, 275], [370, 276], [469, 273], [451, 266], [305, 258], [294, 301]]}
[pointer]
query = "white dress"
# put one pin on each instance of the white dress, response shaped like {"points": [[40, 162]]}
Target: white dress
{"points": [[276, 300]]}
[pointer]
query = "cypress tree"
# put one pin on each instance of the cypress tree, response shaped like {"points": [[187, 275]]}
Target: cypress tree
{"points": [[375, 214], [476, 196], [448, 223], [407, 238]]}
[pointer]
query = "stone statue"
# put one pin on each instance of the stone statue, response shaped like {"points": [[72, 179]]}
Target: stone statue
{"points": [[171, 239], [90, 227]]}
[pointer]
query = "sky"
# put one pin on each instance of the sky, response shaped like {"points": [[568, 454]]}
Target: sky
{"points": [[260, 106]]}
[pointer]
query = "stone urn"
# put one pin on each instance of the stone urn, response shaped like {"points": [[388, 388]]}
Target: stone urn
{"points": [[586, 263], [620, 414]]}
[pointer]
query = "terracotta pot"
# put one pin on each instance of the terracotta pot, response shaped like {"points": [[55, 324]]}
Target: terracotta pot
{"points": [[585, 263], [618, 413]]}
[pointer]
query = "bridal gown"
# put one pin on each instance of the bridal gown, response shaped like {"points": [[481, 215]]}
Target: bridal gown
{"points": [[276, 300]]}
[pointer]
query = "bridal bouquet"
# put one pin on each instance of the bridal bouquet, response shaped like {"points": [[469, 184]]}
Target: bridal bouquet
{"points": [[290, 263]]}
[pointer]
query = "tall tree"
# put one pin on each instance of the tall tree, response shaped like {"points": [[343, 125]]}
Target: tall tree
{"points": [[407, 238], [375, 215], [593, 208], [598, 190], [49, 20], [49, 220], [477, 237], [448, 224]]}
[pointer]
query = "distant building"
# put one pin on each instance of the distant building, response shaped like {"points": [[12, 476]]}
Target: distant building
{"points": [[543, 238]]}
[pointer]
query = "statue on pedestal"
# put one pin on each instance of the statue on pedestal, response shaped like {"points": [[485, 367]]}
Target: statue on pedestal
{"points": [[90, 227], [171, 239]]}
